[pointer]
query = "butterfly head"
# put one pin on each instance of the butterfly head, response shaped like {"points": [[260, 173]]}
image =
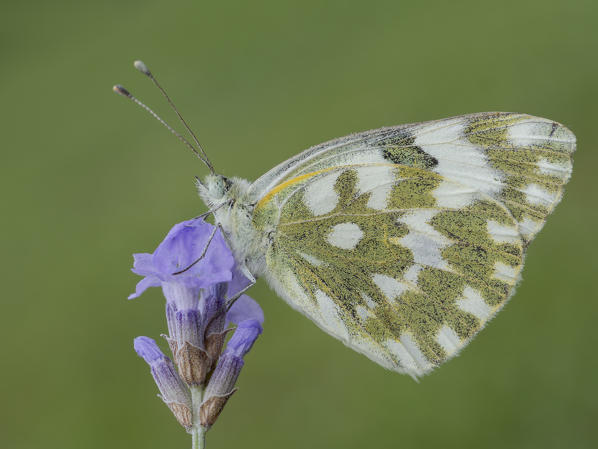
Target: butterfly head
{"points": [[216, 189]]}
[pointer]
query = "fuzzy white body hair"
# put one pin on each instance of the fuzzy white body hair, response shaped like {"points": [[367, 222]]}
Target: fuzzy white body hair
{"points": [[233, 209]]}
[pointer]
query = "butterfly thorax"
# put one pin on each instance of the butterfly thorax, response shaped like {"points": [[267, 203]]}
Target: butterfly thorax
{"points": [[233, 210]]}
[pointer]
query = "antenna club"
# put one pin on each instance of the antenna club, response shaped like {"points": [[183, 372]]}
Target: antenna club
{"points": [[120, 90], [140, 65]]}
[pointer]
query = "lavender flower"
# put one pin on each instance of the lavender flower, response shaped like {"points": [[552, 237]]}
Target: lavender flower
{"points": [[179, 251], [197, 273]]}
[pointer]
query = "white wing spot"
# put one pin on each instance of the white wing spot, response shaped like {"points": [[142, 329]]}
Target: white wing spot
{"points": [[369, 301], [409, 343], [448, 339], [502, 233], [529, 132], [293, 293], [528, 227], [473, 303], [331, 319], [312, 259], [412, 273], [320, 196], [374, 351], [363, 312], [454, 196], [406, 360], [423, 240], [505, 273], [345, 235], [458, 160], [538, 195], [560, 170], [378, 182], [390, 287]]}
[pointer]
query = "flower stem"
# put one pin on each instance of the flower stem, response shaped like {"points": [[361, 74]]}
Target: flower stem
{"points": [[198, 432], [198, 436]]}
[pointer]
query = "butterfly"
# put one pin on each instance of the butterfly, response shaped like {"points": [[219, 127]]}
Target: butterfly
{"points": [[402, 242]]}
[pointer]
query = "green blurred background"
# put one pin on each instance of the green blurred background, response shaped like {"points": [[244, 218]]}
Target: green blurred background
{"points": [[87, 179]]}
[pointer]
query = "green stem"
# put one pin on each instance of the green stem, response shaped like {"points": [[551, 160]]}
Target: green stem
{"points": [[198, 433]]}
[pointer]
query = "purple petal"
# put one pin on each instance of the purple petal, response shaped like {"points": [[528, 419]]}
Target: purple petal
{"points": [[243, 309], [188, 327], [169, 383], [213, 308], [180, 294], [171, 310], [147, 348], [165, 375], [218, 263], [181, 246], [143, 264], [180, 253], [242, 340], [143, 285], [184, 245], [238, 283]]}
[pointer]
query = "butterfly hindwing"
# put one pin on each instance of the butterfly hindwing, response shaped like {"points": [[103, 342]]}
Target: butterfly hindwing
{"points": [[392, 280], [402, 242]]}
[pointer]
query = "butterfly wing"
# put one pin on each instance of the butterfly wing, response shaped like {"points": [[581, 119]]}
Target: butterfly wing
{"points": [[402, 242]]}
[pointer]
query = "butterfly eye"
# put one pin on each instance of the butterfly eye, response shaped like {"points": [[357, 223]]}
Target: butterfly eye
{"points": [[227, 183]]}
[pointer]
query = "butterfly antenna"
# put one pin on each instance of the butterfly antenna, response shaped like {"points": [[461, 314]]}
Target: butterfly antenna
{"points": [[125, 93], [140, 65]]}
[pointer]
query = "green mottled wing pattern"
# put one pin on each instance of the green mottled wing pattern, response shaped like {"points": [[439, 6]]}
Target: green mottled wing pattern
{"points": [[403, 242]]}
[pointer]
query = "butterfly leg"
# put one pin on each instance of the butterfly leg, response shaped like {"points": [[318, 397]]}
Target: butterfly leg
{"points": [[244, 271], [231, 301], [208, 213]]}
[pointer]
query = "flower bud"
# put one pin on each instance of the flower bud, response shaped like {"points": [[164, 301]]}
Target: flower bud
{"points": [[174, 392], [186, 344], [214, 313], [245, 335], [222, 383], [225, 376], [220, 388]]}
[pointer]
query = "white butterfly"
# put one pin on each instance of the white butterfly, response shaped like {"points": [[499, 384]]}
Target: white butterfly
{"points": [[402, 242]]}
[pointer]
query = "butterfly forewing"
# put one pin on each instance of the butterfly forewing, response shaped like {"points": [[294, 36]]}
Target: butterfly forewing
{"points": [[402, 242]]}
